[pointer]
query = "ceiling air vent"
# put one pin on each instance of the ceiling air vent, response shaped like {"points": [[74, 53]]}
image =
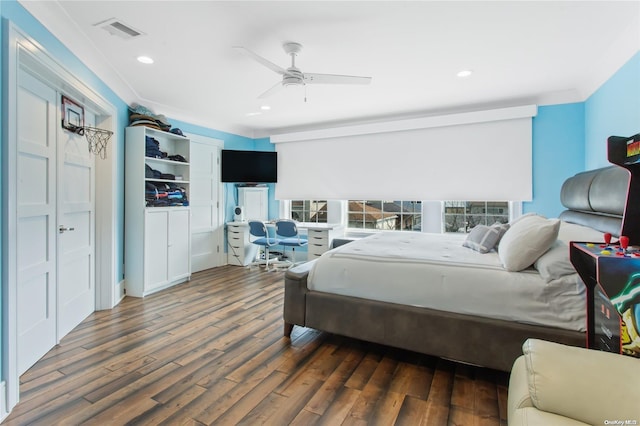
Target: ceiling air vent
{"points": [[118, 28]]}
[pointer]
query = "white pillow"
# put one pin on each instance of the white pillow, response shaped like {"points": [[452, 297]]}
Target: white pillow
{"points": [[555, 263], [573, 232], [526, 240], [524, 216]]}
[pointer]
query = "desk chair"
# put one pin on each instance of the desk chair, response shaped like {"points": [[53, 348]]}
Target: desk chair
{"points": [[258, 235], [287, 231]]}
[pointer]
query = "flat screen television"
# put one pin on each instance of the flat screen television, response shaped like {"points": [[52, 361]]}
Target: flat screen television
{"points": [[249, 166]]}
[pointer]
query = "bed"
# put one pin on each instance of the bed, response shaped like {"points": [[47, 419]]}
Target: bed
{"points": [[427, 293]]}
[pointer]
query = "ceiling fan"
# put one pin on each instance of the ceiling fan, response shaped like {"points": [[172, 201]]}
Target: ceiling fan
{"points": [[292, 76]]}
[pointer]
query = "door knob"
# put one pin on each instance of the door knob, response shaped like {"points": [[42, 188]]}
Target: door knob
{"points": [[62, 229]]}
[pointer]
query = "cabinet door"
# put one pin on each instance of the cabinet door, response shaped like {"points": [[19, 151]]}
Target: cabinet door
{"points": [[254, 201], [155, 249], [179, 256]]}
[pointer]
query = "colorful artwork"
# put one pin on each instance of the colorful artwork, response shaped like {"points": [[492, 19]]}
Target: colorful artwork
{"points": [[633, 148], [627, 303], [620, 279]]}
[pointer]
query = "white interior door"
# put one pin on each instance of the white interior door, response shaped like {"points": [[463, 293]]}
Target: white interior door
{"points": [[55, 216], [36, 220], [76, 217], [207, 232]]}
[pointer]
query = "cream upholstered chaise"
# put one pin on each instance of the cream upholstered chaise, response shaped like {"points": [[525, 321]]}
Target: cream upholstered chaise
{"points": [[556, 384]]}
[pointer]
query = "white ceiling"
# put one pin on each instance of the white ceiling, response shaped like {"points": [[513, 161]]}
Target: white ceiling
{"points": [[541, 52]]}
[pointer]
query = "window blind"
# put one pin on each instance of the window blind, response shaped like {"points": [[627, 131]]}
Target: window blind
{"points": [[475, 160]]}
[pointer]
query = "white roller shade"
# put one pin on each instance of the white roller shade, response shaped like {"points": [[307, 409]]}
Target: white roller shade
{"points": [[488, 160]]}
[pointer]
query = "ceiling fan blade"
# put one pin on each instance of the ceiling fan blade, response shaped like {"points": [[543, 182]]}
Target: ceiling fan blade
{"points": [[267, 63], [275, 88], [310, 78]]}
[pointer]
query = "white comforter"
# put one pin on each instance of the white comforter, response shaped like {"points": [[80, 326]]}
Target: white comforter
{"points": [[435, 271]]}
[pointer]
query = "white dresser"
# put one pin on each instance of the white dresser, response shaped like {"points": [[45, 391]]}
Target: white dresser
{"points": [[320, 236], [240, 251]]}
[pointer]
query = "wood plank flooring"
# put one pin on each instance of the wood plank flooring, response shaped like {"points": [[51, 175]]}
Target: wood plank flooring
{"points": [[212, 351]]}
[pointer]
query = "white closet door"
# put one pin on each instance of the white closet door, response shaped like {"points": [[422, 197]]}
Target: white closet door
{"points": [[36, 220], [76, 217], [206, 224], [55, 216]]}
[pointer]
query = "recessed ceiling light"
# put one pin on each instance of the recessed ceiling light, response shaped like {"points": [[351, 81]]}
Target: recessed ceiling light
{"points": [[265, 107], [464, 73], [251, 114], [145, 60]]}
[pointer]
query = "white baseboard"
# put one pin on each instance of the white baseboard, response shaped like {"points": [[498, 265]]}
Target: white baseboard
{"points": [[120, 293], [3, 401]]}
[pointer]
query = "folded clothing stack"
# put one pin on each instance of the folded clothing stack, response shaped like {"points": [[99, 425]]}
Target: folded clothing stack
{"points": [[164, 194], [150, 173], [152, 148]]}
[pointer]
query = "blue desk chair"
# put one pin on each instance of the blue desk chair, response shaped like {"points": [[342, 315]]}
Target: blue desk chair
{"points": [[287, 232], [258, 235]]}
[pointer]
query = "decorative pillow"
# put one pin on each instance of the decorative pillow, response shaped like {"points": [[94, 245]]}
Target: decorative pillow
{"points": [[502, 229], [526, 240], [555, 263], [482, 238]]}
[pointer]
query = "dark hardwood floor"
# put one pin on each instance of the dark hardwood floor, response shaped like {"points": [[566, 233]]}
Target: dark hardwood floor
{"points": [[212, 351]]}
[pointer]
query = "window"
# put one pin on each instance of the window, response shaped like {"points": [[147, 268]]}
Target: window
{"points": [[385, 215], [309, 211], [462, 216]]}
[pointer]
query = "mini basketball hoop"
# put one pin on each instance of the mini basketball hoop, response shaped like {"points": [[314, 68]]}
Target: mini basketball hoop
{"points": [[97, 139]]}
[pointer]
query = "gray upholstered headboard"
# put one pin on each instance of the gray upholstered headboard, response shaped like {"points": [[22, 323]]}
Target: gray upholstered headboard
{"points": [[596, 198]]}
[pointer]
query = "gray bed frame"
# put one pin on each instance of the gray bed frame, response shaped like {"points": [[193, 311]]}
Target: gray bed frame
{"points": [[595, 198]]}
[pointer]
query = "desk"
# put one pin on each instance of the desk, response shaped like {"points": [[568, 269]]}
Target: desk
{"points": [[241, 252]]}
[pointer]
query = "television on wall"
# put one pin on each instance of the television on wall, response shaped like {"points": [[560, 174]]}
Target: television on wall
{"points": [[249, 166]]}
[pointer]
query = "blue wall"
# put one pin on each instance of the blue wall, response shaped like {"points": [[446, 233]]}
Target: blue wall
{"points": [[614, 109], [573, 137], [558, 152]]}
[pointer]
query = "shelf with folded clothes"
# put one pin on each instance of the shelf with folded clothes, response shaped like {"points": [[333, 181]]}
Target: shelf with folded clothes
{"points": [[166, 180], [161, 145], [157, 207], [166, 161], [165, 194], [167, 171]]}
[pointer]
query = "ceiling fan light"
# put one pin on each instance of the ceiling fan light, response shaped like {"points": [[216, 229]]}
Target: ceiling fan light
{"points": [[292, 80]]}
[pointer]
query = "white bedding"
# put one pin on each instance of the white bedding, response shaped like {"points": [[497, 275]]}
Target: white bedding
{"points": [[436, 271]]}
